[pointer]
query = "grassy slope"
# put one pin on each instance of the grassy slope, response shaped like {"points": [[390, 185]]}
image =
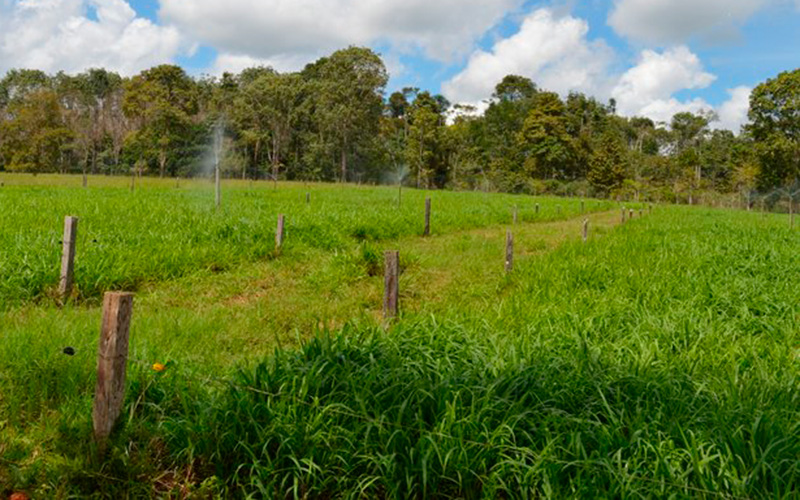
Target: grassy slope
{"points": [[659, 359]]}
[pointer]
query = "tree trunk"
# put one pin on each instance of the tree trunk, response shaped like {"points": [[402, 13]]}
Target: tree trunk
{"points": [[162, 162], [344, 162]]}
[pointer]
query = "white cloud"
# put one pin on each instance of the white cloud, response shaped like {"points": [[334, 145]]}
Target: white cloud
{"points": [[235, 63], [732, 113], [54, 35], [553, 51], [676, 21], [647, 89], [265, 29]]}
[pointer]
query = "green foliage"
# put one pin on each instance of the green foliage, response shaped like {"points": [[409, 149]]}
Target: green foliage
{"points": [[775, 116], [333, 121], [548, 150], [607, 165], [37, 137]]}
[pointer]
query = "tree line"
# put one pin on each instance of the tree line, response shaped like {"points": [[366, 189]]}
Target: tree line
{"points": [[332, 121]]}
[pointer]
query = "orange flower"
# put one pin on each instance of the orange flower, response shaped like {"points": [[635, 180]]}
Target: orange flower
{"points": [[18, 496], [159, 367]]}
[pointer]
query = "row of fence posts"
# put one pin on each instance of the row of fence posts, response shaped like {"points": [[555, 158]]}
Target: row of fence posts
{"points": [[112, 354]]}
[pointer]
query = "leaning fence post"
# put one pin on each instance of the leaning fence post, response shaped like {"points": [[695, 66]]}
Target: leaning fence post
{"points": [[509, 252], [112, 358], [585, 230], [68, 257], [391, 285], [279, 233], [427, 230]]}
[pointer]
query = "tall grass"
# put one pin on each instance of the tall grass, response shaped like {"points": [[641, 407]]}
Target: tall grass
{"points": [[659, 360]]}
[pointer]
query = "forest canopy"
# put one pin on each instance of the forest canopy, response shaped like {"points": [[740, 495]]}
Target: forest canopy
{"points": [[334, 121]]}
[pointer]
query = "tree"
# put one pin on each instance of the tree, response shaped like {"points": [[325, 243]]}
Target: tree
{"points": [[608, 164], [775, 128], [547, 149], [268, 108], [36, 136], [163, 100], [423, 147], [514, 88], [349, 88]]}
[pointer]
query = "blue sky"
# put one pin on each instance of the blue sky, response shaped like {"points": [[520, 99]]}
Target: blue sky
{"points": [[655, 57]]}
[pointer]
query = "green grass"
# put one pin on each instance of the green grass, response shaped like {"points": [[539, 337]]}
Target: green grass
{"points": [[160, 232], [660, 359]]}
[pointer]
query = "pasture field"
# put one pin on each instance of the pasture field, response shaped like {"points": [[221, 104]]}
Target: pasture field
{"points": [[165, 229], [658, 359]]}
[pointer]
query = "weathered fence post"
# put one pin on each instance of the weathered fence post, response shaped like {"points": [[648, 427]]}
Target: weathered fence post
{"points": [[585, 230], [641, 212], [427, 230], [391, 284], [68, 257], [583, 206], [509, 251], [630, 214], [623, 215], [279, 233], [112, 358], [308, 198], [537, 209]]}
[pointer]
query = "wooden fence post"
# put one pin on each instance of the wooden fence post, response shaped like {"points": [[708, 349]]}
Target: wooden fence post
{"points": [[112, 358], [279, 233], [630, 214], [641, 212], [427, 230], [623, 215], [583, 206], [391, 284], [68, 257], [537, 209], [585, 230], [308, 198], [509, 251]]}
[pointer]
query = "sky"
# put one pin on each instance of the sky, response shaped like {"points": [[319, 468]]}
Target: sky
{"points": [[653, 57]]}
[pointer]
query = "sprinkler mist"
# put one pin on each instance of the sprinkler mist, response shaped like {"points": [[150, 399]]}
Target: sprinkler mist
{"points": [[218, 129]]}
